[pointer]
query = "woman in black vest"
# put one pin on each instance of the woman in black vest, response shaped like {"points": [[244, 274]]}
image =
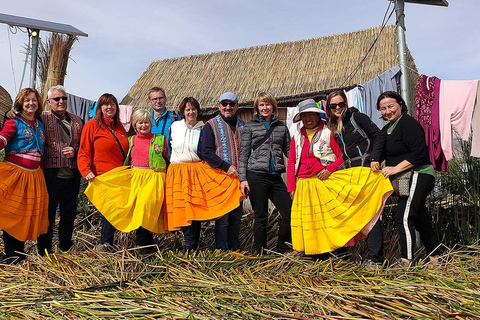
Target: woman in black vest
{"points": [[265, 141]]}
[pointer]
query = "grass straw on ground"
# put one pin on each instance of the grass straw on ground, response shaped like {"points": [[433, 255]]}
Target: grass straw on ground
{"points": [[213, 285]]}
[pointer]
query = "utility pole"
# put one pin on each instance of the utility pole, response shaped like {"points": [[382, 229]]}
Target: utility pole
{"points": [[401, 42]]}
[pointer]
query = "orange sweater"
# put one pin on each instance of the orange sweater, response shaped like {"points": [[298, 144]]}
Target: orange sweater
{"points": [[99, 151]]}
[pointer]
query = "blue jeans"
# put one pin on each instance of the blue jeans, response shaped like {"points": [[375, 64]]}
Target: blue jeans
{"points": [[108, 231], [227, 230]]}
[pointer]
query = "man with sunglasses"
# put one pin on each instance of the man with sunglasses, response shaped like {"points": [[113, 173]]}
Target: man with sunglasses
{"points": [[161, 116], [220, 149], [62, 140]]}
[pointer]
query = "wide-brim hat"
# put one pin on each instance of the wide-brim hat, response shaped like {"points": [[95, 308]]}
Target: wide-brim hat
{"points": [[308, 105]]}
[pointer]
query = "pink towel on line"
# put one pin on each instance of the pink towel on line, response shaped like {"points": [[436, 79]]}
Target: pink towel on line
{"points": [[457, 99]]}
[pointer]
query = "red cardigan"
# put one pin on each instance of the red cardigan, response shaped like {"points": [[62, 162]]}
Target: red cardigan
{"points": [[309, 164], [99, 152]]}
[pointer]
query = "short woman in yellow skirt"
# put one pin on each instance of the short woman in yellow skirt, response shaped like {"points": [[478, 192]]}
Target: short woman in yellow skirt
{"points": [[132, 196], [23, 192], [331, 208], [195, 191]]}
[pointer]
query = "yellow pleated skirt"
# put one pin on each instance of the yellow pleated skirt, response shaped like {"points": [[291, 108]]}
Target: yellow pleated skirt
{"points": [[130, 198], [329, 214], [23, 202], [196, 191]]}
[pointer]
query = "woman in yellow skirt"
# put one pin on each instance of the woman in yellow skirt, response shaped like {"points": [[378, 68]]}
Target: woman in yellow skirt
{"points": [[331, 209], [131, 197], [23, 192], [195, 191]]}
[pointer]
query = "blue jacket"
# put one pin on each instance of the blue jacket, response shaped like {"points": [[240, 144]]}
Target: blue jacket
{"points": [[162, 126]]}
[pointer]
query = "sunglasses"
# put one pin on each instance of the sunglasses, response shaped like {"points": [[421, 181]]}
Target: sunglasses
{"points": [[334, 106], [232, 104], [58, 98]]}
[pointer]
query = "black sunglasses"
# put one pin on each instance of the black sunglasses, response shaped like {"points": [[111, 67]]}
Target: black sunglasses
{"points": [[232, 104], [334, 106], [58, 98]]}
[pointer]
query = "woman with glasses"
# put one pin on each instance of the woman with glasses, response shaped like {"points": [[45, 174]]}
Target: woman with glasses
{"points": [[23, 192], [265, 142], [103, 147], [362, 144]]}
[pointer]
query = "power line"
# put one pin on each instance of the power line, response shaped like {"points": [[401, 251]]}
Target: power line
{"points": [[11, 59], [384, 23]]}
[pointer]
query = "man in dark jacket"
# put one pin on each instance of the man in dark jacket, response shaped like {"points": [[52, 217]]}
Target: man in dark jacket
{"points": [[220, 149]]}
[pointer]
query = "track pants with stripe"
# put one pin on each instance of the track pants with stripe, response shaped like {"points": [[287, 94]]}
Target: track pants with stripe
{"points": [[412, 214]]}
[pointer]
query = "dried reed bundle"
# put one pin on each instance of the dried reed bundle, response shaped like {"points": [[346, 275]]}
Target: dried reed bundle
{"points": [[53, 55]]}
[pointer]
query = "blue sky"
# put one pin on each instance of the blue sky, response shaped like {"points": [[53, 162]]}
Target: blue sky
{"points": [[126, 36]]}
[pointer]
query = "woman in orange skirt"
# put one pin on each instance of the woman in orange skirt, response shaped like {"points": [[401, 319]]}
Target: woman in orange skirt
{"points": [[195, 191], [23, 192]]}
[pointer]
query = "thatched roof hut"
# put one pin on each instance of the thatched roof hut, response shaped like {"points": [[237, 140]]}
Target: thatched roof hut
{"points": [[292, 71], [5, 102]]}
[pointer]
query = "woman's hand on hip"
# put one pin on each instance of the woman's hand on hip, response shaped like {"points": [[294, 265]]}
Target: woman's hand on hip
{"points": [[375, 166]]}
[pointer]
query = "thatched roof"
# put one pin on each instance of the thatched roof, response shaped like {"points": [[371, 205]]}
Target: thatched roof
{"points": [[5, 102], [288, 69]]}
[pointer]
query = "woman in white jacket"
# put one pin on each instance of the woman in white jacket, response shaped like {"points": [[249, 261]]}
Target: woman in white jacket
{"points": [[195, 191]]}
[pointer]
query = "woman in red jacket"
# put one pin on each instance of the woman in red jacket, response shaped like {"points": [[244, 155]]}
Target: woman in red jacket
{"points": [[103, 146]]}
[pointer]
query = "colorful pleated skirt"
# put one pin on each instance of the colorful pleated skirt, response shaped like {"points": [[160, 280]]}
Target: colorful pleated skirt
{"points": [[130, 198], [196, 191], [329, 214], [23, 202]]}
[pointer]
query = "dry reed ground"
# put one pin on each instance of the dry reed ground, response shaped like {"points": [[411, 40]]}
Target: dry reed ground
{"points": [[212, 285]]}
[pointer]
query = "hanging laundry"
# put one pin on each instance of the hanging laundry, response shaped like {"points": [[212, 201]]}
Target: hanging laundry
{"points": [[350, 98], [358, 98], [457, 100], [355, 98], [387, 81], [476, 126], [292, 127], [92, 108], [125, 114], [78, 106], [427, 114]]}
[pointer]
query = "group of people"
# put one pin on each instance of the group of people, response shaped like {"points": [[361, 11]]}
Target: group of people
{"points": [[176, 172]]}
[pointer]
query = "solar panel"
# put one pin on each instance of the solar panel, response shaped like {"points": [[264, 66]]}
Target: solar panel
{"points": [[40, 25]]}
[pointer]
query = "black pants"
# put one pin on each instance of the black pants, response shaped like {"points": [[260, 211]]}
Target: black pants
{"points": [[64, 193], [191, 235], [227, 230], [412, 214], [143, 237], [13, 247], [375, 243], [264, 186]]}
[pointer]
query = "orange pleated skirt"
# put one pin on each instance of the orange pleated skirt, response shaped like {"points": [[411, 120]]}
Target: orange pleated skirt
{"points": [[197, 192], [23, 202]]}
